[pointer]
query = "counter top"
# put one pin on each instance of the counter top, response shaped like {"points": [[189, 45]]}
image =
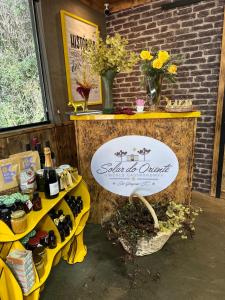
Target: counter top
{"points": [[144, 115]]}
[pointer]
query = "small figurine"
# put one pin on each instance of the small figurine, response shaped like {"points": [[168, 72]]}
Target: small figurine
{"points": [[76, 105]]}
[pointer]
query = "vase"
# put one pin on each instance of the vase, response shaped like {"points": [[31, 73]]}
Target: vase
{"points": [[107, 79], [153, 90]]}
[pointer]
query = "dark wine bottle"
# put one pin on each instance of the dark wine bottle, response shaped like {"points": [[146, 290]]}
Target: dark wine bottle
{"points": [[28, 147], [50, 177], [41, 154], [47, 144]]}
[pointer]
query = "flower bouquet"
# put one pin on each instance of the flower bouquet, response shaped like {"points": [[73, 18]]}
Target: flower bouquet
{"points": [[107, 58], [157, 65]]}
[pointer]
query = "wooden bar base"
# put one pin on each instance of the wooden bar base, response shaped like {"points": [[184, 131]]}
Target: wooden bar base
{"points": [[177, 130]]}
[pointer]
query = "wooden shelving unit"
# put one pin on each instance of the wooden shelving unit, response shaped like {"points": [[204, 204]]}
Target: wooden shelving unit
{"points": [[72, 249]]}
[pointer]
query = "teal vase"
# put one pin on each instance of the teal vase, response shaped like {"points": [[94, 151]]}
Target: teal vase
{"points": [[107, 79]]}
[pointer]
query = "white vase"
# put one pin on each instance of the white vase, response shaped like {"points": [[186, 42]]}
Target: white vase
{"points": [[140, 108]]}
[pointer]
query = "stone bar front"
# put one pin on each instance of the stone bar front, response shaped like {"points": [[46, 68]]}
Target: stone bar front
{"points": [[176, 130]]}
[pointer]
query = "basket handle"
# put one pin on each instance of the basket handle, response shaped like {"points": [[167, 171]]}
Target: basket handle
{"points": [[149, 207]]}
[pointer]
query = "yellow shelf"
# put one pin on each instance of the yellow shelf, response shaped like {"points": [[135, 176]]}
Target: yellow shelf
{"points": [[72, 249], [137, 116], [51, 253], [34, 217]]}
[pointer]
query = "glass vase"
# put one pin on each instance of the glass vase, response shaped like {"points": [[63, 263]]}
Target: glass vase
{"points": [[153, 89], [107, 79]]}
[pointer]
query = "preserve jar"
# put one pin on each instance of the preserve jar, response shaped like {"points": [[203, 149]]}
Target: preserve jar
{"points": [[18, 221], [43, 237], [5, 216], [39, 264], [42, 252], [33, 243], [36, 201]]}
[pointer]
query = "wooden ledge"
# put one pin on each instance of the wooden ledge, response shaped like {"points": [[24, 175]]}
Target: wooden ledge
{"points": [[144, 115]]}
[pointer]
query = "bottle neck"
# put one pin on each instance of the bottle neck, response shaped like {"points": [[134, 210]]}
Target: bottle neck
{"points": [[48, 159]]}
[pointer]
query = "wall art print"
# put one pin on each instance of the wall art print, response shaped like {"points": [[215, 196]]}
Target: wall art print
{"points": [[76, 32]]}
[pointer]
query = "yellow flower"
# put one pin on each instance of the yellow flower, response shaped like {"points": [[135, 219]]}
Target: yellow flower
{"points": [[157, 64], [172, 69], [146, 55], [163, 56]]}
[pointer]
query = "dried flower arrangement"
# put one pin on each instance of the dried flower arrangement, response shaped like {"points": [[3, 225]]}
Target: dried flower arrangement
{"points": [[132, 222]]}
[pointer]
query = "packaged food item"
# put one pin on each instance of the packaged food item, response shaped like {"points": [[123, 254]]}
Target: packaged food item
{"points": [[27, 160], [27, 179], [19, 221], [9, 170], [21, 264]]}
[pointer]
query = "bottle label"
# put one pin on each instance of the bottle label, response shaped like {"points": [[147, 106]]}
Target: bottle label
{"points": [[54, 188]]}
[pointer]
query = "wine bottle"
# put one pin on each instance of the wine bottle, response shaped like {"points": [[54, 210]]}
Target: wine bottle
{"points": [[41, 154], [50, 176], [47, 144], [28, 147]]}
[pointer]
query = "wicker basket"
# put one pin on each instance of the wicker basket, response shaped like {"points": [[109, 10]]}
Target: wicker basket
{"points": [[146, 245]]}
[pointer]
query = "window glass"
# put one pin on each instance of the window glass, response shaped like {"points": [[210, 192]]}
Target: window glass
{"points": [[21, 99]]}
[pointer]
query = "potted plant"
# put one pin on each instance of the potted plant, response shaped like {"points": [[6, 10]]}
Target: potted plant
{"points": [[108, 58]]}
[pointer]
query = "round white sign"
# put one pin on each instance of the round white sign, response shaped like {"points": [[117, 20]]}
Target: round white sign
{"points": [[134, 163]]}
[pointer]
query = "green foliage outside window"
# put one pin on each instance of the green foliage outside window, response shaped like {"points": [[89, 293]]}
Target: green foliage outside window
{"points": [[20, 92]]}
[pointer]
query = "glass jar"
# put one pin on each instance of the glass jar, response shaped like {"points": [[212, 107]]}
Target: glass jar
{"points": [[5, 216], [39, 264], [33, 243], [36, 202], [51, 240], [43, 237], [42, 252], [18, 221]]}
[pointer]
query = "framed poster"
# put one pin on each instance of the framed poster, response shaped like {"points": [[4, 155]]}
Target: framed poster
{"points": [[76, 32]]}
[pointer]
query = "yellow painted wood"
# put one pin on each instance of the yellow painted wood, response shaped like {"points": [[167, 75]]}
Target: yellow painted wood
{"points": [[34, 217], [9, 287], [72, 249], [144, 115]]}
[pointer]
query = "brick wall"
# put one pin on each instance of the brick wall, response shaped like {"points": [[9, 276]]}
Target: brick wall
{"points": [[196, 32]]}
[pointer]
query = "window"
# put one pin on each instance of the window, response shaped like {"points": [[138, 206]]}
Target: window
{"points": [[22, 94]]}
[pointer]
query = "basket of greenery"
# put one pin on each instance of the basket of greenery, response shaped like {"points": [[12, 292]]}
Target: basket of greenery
{"points": [[144, 229]]}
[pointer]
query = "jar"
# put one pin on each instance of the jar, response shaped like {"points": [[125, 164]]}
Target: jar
{"points": [[59, 173], [19, 221], [5, 216], [43, 237], [36, 202], [28, 192], [27, 204], [39, 264], [42, 252], [33, 243], [51, 239], [40, 180], [64, 167], [19, 205]]}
